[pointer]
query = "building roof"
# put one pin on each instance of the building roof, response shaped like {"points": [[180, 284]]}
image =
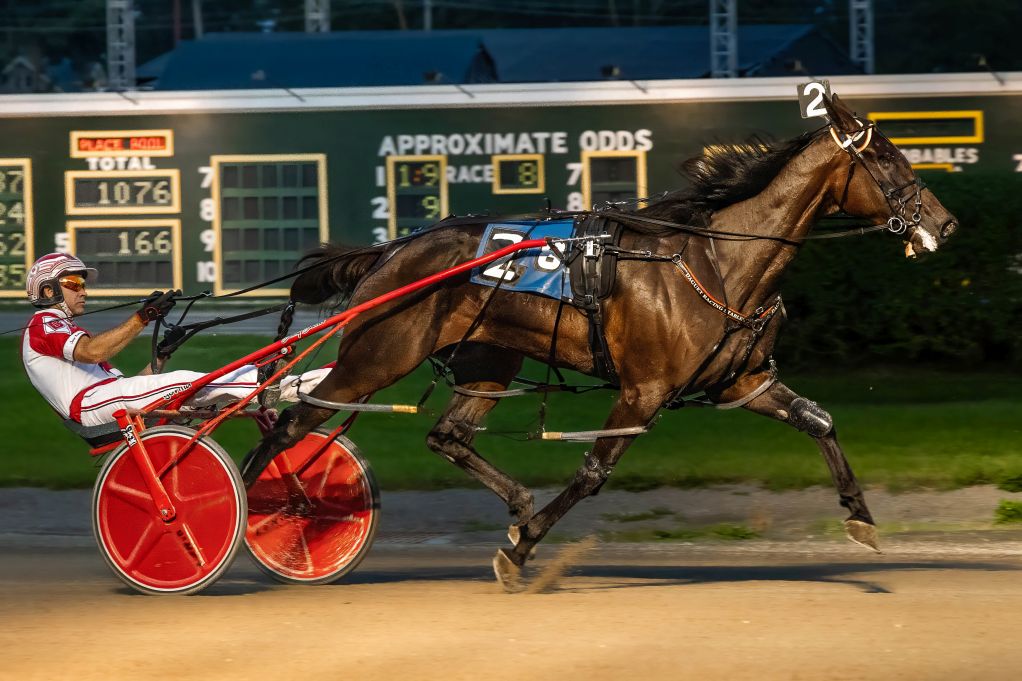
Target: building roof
{"points": [[228, 61], [643, 53], [381, 58]]}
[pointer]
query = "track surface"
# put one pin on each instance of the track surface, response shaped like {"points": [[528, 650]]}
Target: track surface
{"points": [[776, 610]]}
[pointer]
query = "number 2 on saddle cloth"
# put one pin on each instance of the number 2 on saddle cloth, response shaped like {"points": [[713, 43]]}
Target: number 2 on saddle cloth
{"points": [[532, 271], [587, 278]]}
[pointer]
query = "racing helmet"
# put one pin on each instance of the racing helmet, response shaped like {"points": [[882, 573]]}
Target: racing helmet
{"points": [[47, 270]]}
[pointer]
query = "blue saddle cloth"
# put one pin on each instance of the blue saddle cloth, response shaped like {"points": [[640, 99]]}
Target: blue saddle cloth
{"points": [[536, 270]]}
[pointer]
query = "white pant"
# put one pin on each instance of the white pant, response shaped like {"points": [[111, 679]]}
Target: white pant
{"points": [[99, 404]]}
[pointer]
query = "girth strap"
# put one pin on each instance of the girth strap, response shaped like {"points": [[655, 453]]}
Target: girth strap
{"points": [[592, 274]]}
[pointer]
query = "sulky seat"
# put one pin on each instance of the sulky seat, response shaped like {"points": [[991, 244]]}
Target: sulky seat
{"points": [[96, 436]]}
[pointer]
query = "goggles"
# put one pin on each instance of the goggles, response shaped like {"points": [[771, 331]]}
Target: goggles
{"points": [[72, 282]]}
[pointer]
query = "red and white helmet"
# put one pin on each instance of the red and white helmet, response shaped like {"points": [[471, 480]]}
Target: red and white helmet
{"points": [[47, 270]]}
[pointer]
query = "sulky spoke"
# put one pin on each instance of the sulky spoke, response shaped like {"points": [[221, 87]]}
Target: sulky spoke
{"points": [[196, 509], [324, 477], [135, 497], [264, 525], [293, 550], [151, 536], [201, 496], [191, 548]]}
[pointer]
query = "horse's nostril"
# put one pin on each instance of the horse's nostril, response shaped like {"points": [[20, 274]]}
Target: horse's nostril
{"points": [[948, 229]]}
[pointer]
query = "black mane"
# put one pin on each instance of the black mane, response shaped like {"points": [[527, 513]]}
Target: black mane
{"points": [[723, 175]]}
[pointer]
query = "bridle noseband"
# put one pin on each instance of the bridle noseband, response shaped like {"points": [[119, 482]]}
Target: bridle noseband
{"points": [[897, 199]]}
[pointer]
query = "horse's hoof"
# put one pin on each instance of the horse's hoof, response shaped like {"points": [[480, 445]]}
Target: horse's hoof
{"points": [[507, 572], [514, 533], [863, 533]]}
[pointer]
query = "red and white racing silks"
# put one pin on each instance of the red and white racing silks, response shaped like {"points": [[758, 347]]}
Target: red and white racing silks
{"points": [[47, 351], [91, 393]]}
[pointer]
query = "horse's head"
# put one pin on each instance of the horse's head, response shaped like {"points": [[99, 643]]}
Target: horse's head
{"points": [[881, 185]]}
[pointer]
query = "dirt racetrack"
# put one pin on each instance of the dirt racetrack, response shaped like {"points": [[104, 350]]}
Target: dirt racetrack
{"points": [[927, 610]]}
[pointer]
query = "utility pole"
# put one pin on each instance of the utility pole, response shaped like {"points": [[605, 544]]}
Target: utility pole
{"points": [[317, 16], [427, 15], [724, 39], [197, 18], [177, 22], [120, 44], [860, 33]]}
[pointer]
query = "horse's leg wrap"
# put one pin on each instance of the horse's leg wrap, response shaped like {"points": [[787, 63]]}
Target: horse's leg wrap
{"points": [[592, 475], [810, 418], [452, 439]]}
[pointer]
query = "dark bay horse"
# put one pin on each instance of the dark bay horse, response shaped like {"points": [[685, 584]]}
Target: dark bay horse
{"points": [[736, 231]]}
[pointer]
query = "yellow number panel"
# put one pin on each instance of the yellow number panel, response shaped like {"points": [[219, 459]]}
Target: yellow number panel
{"points": [[974, 137], [416, 192], [17, 235], [607, 176], [134, 257], [122, 192], [269, 209], [525, 174]]}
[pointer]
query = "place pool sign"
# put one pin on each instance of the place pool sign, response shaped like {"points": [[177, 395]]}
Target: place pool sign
{"points": [[93, 143]]}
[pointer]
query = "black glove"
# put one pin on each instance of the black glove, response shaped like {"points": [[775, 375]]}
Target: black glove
{"points": [[157, 305]]}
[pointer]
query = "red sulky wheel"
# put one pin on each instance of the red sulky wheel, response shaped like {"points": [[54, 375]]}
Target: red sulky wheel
{"points": [[313, 512], [189, 552]]}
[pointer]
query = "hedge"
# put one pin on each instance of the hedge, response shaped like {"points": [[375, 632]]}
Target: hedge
{"points": [[860, 299]]}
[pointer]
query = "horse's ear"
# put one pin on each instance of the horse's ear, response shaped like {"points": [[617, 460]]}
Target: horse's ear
{"points": [[840, 115]]}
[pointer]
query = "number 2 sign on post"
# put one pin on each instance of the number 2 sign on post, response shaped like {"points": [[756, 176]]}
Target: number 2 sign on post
{"points": [[810, 98]]}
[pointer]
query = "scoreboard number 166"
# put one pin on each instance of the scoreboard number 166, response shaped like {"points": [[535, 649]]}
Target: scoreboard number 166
{"points": [[145, 242]]}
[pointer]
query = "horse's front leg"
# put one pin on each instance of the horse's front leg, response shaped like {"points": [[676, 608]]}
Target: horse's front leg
{"points": [[634, 407], [781, 403]]}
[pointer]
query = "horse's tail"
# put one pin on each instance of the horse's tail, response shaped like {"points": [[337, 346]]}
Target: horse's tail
{"points": [[335, 272]]}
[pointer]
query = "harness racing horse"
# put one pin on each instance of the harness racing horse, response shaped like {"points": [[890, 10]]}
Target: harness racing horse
{"points": [[697, 314]]}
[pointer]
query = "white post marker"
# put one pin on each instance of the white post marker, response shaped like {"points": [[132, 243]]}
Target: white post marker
{"points": [[810, 98]]}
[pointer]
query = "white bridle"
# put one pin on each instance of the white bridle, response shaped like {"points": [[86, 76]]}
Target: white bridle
{"points": [[849, 140]]}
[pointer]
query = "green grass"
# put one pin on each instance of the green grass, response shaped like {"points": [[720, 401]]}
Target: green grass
{"points": [[1008, 512], [900, 429]]}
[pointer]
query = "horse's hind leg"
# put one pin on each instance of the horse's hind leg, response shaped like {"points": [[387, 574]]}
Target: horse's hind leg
{"points": [[781, 403], [479, 368], [294, 424], [361, 370], [634, 407]]}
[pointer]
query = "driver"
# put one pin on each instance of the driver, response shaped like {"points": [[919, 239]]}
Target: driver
{"points": [[71, 368]]}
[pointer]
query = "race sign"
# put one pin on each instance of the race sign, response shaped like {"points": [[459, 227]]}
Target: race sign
{"points": [[810, 98]]}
